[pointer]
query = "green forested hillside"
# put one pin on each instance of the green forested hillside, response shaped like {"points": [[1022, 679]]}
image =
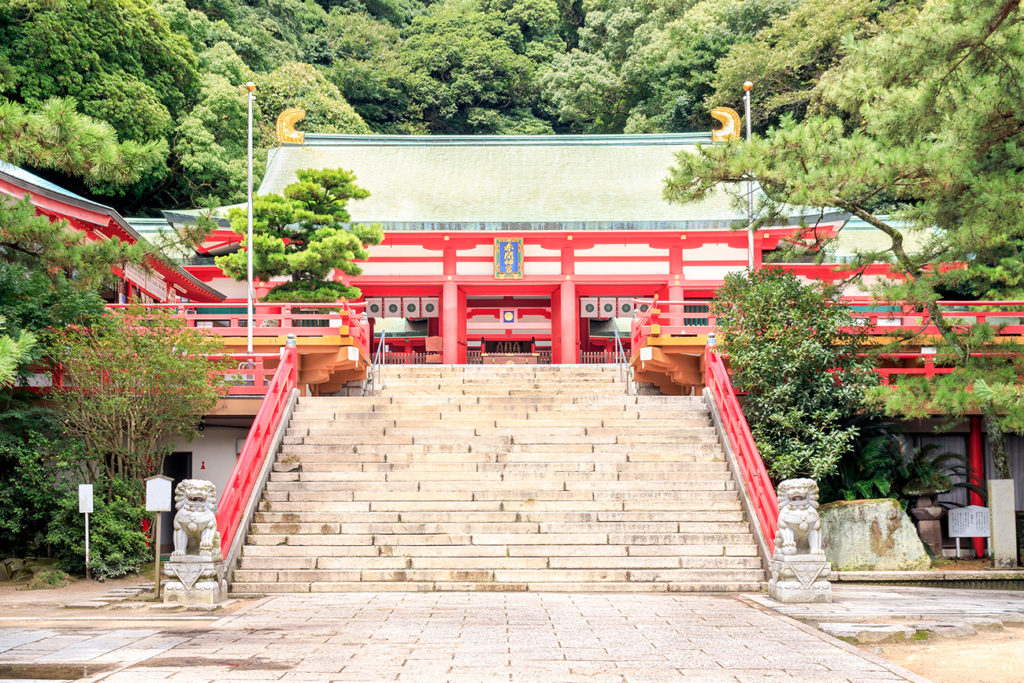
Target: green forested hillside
{"points": [[168, 74]]}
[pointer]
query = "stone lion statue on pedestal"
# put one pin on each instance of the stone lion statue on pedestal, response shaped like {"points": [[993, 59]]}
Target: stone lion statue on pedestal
{"points": [[799, 568], [799, 530], [195, 524], [195, 571]]}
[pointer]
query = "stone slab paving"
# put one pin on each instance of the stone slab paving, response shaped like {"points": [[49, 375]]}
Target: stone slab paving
{"points": [[469, 637], [863, 603]]}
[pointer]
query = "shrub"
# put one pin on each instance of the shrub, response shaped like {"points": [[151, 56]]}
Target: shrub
{"points": [[117, 544], [28, 469], [804, 380]]}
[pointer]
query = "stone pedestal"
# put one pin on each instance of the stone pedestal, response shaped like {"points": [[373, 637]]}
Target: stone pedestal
{"points": [[929, 527], [800, 578], [195, 580]]}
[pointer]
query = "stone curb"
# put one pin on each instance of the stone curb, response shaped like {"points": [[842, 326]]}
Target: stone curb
{"points": [[888, 576], [847, 647]]}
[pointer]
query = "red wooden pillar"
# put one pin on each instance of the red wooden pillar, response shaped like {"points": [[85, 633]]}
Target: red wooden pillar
{"points": [[674, 311], [556, 325], [568, 324], [975, 471], [462, 341], [453, 324]]}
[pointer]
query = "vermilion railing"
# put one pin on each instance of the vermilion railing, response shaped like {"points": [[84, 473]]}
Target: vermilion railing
{"points": [[249, 374], [694, 317], [270, 320], [250, 461], [755, 477]]}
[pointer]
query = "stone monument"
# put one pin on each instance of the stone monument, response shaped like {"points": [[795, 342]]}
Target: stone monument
{"points": [[799, 570], [195, 571]]}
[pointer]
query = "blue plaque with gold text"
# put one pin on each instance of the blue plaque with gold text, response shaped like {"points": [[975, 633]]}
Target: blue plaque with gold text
{"points": [[508, 258]]}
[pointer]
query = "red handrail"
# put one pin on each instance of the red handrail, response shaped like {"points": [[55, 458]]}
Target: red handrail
{"points": [[755, 476], [250, 461]]}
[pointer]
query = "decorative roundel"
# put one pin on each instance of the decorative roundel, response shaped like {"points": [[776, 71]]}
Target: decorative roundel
{"points": [[411, 308], [609, 308], [392, 308], [627, 307], [589, 307], [429, 308]]}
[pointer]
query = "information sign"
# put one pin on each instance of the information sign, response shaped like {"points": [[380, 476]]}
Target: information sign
{"points": [[85, 498], [971, 521], [158, 493]]}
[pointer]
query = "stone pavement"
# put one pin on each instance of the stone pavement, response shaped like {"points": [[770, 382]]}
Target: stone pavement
{"points": [[877, 602], [469, 637]]}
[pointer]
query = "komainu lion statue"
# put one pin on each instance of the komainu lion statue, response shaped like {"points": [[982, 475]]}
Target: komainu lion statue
{"points": [[195, 525], [799, 525]]}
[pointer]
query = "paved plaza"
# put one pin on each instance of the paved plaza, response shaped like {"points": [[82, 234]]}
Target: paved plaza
{"points": [[468, 637]]}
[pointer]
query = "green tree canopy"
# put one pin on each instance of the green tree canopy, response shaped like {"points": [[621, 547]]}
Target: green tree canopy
{"points": [[306, 234], [116, 56], [131, 383], [933, 147], [791, 352], [303, 86]]}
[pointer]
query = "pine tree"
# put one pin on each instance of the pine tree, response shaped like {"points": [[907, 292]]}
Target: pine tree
{"points": [[305, 234], [936, 151]]}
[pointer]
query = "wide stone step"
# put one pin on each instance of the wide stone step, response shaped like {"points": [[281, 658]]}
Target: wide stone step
{"points": [[502, 527], [501, 539], [438, 516], [741, 553], [470, 426], [282, 504], [474, 474], [484, 481], [440, 586], [546, 575]]}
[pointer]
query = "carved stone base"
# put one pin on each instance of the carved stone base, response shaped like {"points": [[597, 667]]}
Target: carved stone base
{"points": [[195, 580], [800, 578]]}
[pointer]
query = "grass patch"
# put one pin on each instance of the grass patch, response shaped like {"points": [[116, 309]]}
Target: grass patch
{"points": [[50, 578]]}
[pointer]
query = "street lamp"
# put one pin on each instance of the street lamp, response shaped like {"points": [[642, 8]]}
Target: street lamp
{"points": [[747, 87], [250, 86]]}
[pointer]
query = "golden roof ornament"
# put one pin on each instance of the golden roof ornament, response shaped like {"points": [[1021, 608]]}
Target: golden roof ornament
{"points": [[286, 126], [730, 121]]}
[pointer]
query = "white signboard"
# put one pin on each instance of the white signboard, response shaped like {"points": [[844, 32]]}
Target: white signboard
{"points": [[969, 522], [158, 493], [85, 498]]}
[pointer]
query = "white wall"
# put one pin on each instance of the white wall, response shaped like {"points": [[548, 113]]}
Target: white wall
{"points": [[214, 453]]}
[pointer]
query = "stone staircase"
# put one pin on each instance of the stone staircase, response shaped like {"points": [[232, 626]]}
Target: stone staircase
{"points": [[504, 478]]}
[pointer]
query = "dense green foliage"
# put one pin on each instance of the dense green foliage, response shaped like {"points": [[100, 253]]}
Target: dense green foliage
{"points": [[802, 372], [29, 468], [925, 136], [51, 311], [117, 543], [167, 76], [306, 234]]}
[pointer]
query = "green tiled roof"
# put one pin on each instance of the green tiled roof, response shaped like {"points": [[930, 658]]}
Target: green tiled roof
{"points": [[507, 182]]}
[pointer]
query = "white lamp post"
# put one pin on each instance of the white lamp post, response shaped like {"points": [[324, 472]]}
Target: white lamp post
{"points": [[747, 87], [250, 86]]}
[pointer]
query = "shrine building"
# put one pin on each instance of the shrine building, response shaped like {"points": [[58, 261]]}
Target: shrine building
{"points": [[522, 248]]}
